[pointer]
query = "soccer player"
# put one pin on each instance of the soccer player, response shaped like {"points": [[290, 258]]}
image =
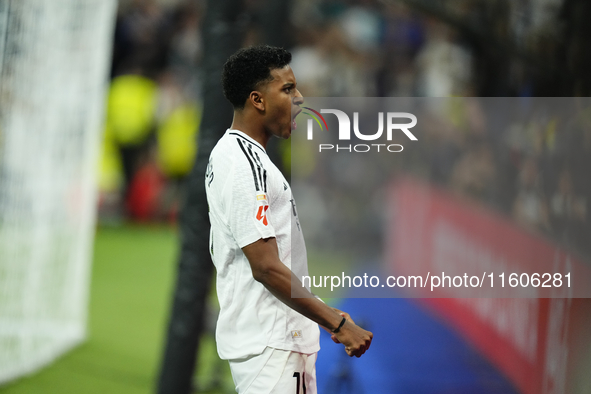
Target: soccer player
{"points": [[269, 337]]}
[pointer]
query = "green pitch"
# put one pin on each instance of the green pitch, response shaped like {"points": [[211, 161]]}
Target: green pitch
{"points": [[132, 278]]}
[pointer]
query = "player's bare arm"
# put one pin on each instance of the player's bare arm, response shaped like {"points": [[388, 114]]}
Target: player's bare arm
{"points": [[277, 278]]}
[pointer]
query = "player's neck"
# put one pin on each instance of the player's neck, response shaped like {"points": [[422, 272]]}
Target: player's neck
{"points": [[250, 126]]}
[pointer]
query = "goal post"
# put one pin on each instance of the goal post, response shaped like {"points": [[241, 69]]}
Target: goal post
{"points": [[54, 64]]}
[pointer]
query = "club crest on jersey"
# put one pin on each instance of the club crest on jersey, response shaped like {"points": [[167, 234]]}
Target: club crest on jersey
{"points": [[296, 334]]}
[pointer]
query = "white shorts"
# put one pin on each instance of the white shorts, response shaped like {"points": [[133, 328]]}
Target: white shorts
{"points": [[275, 372]]}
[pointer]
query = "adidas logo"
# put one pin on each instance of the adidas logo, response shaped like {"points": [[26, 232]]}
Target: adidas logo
{"points": [[284, 186], [296, 334]]}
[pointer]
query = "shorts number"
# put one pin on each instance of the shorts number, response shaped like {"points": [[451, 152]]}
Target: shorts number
{"points": [[297, 376]]}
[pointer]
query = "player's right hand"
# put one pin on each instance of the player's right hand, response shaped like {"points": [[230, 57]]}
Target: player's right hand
{"points": [[356, 340]]}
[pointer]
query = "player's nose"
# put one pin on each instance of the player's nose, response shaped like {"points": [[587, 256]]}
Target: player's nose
{"points": [[298, 98]]}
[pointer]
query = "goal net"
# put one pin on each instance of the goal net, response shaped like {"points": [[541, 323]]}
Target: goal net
{"points": [[54, 62]]}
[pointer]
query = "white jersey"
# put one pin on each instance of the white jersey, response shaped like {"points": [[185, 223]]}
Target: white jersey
{"points": [[250, 199]]}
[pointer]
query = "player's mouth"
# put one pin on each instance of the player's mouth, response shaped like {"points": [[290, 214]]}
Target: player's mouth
{"points": [[293, 121]]}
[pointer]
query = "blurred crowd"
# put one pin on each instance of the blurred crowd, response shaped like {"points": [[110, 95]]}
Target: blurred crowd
{"points": [[153, 110], [410, 48], [370, 48], [525, 159]]}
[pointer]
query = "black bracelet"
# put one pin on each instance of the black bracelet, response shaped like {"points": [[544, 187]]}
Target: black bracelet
{"points": [[336, 330]]}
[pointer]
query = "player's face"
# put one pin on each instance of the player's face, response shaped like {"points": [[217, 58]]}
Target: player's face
{"points": [[283, 103]]}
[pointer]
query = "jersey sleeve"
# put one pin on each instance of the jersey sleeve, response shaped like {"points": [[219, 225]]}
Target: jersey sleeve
{"points": [[249, 207]]}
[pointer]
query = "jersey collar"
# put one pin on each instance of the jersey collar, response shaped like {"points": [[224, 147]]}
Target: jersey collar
{"points": [[247, 137]]}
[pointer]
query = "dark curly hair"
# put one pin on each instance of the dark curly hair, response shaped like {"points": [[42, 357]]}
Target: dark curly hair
{"points": [[247, 68]]}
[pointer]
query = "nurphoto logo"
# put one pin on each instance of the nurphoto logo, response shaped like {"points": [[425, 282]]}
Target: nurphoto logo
{"points": [[393, 124]]}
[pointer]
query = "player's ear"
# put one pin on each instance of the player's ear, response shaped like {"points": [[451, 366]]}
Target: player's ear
{"points": [[257, 100]]}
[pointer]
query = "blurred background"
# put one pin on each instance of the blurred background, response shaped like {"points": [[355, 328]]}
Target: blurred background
{"points": [[106, 107]]}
